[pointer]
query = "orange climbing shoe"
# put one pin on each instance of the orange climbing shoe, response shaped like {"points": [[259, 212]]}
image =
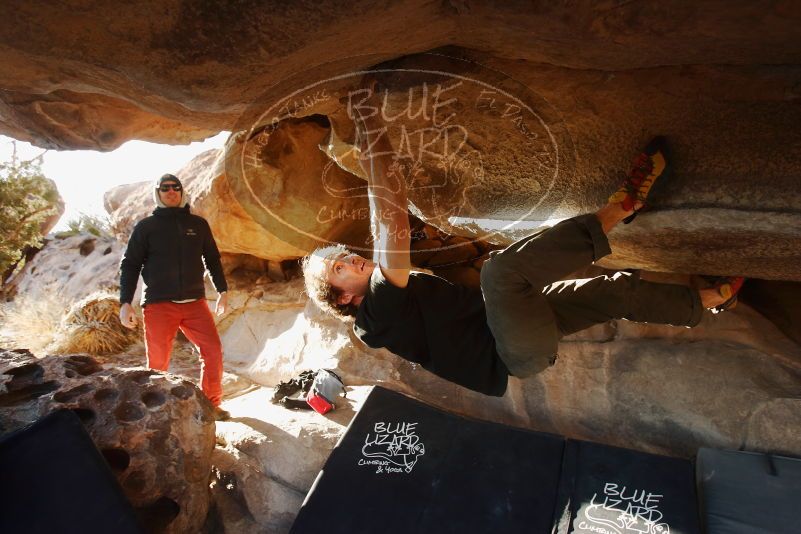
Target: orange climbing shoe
{"points": [[728, 287], [649, 165]]}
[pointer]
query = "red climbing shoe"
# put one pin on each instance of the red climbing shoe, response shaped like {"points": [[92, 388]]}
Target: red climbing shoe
{"points": [[649, 165], [728, 287]]}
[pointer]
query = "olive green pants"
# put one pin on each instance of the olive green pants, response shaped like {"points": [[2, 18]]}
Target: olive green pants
{"points": [[529, 309]]}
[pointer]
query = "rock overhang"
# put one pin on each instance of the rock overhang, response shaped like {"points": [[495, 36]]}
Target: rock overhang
{"points": [[722, 83]]}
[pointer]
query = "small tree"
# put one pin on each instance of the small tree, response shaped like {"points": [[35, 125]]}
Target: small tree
{"points": [[27, 199]]}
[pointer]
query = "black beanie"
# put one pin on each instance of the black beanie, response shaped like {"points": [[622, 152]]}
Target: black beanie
{"points": [[168, 178]]}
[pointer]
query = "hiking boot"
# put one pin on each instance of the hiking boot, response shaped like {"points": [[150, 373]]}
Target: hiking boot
{"points": [[728, 287], [649, 165], [220, 414]]}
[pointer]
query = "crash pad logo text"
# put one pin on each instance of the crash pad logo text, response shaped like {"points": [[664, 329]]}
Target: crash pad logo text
{"points": [[622, 510], [392, 448]]}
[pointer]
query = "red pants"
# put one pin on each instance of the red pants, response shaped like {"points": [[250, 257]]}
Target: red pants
{"points": [[162, 321]]}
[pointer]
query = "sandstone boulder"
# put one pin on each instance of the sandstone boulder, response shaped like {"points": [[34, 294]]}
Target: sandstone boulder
{"points": [[270, 208], [156, 431], [64, 271], [176, 70], [551, 104], [268, 458], [475, 169]]}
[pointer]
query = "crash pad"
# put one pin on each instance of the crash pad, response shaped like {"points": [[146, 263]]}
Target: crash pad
{"points": [[748, 492], [611, 490], [53, 479], [405, 466]]}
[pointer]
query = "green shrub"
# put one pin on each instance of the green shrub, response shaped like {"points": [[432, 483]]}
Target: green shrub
{"points": [[27, 199]]}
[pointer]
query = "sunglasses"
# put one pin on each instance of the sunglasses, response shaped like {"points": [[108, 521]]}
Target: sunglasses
{"points": [[167, 187]]}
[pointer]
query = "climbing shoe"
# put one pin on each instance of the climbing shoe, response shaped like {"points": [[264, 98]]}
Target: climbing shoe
{"points": [[728, 287], [649, 165]]}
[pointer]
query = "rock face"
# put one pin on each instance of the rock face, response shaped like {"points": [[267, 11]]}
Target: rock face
{"points": [[65, 75], [731, 382], [156, 431], [555, 99], [69, 269], [271, 213], [522, 113], [670, 396], [269, 457], [650, 387]]}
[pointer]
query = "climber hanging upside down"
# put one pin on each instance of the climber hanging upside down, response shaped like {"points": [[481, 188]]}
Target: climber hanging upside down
{"points": [[513, 325]]}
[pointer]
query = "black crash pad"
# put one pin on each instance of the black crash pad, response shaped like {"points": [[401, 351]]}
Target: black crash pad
{"points": [[609, 490], [749, 493], [53, 479], [403, 466]]}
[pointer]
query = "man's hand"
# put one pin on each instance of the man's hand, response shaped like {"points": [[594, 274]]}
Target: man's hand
{"points": [[222, 303], [128, 316]]}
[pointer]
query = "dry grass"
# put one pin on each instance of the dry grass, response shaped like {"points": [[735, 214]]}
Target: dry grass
{"points": [[92, 326], [30, 323]]}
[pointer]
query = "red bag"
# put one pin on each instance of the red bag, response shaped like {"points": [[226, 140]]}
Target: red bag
{"points": [[317, 401], [326, 386]]}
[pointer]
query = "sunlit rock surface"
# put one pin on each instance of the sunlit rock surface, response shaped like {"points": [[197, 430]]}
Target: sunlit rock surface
{"points": [[65, 75], [731, 382], [268, 457], [68, 269], [722, 82], [274, 211]]}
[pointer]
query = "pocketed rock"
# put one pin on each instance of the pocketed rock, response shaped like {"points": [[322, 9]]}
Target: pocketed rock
{"points": [[61, 270], [155, 430]]}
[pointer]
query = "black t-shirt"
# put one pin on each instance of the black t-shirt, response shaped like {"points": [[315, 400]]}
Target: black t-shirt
{"points": [[435, 323]]}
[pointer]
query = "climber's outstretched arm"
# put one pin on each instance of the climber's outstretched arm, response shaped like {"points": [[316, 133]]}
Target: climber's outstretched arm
{"points": [[389, 216]]}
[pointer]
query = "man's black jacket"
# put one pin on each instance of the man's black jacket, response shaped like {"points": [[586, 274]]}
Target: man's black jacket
{"points": [[170, 248]]}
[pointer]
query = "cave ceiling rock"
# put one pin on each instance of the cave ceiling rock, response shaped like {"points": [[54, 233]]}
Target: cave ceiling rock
{"points": [[200, 63], [722, 81]]}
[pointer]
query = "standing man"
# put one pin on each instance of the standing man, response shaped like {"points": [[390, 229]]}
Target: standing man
{"points": [[172, 249]]}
